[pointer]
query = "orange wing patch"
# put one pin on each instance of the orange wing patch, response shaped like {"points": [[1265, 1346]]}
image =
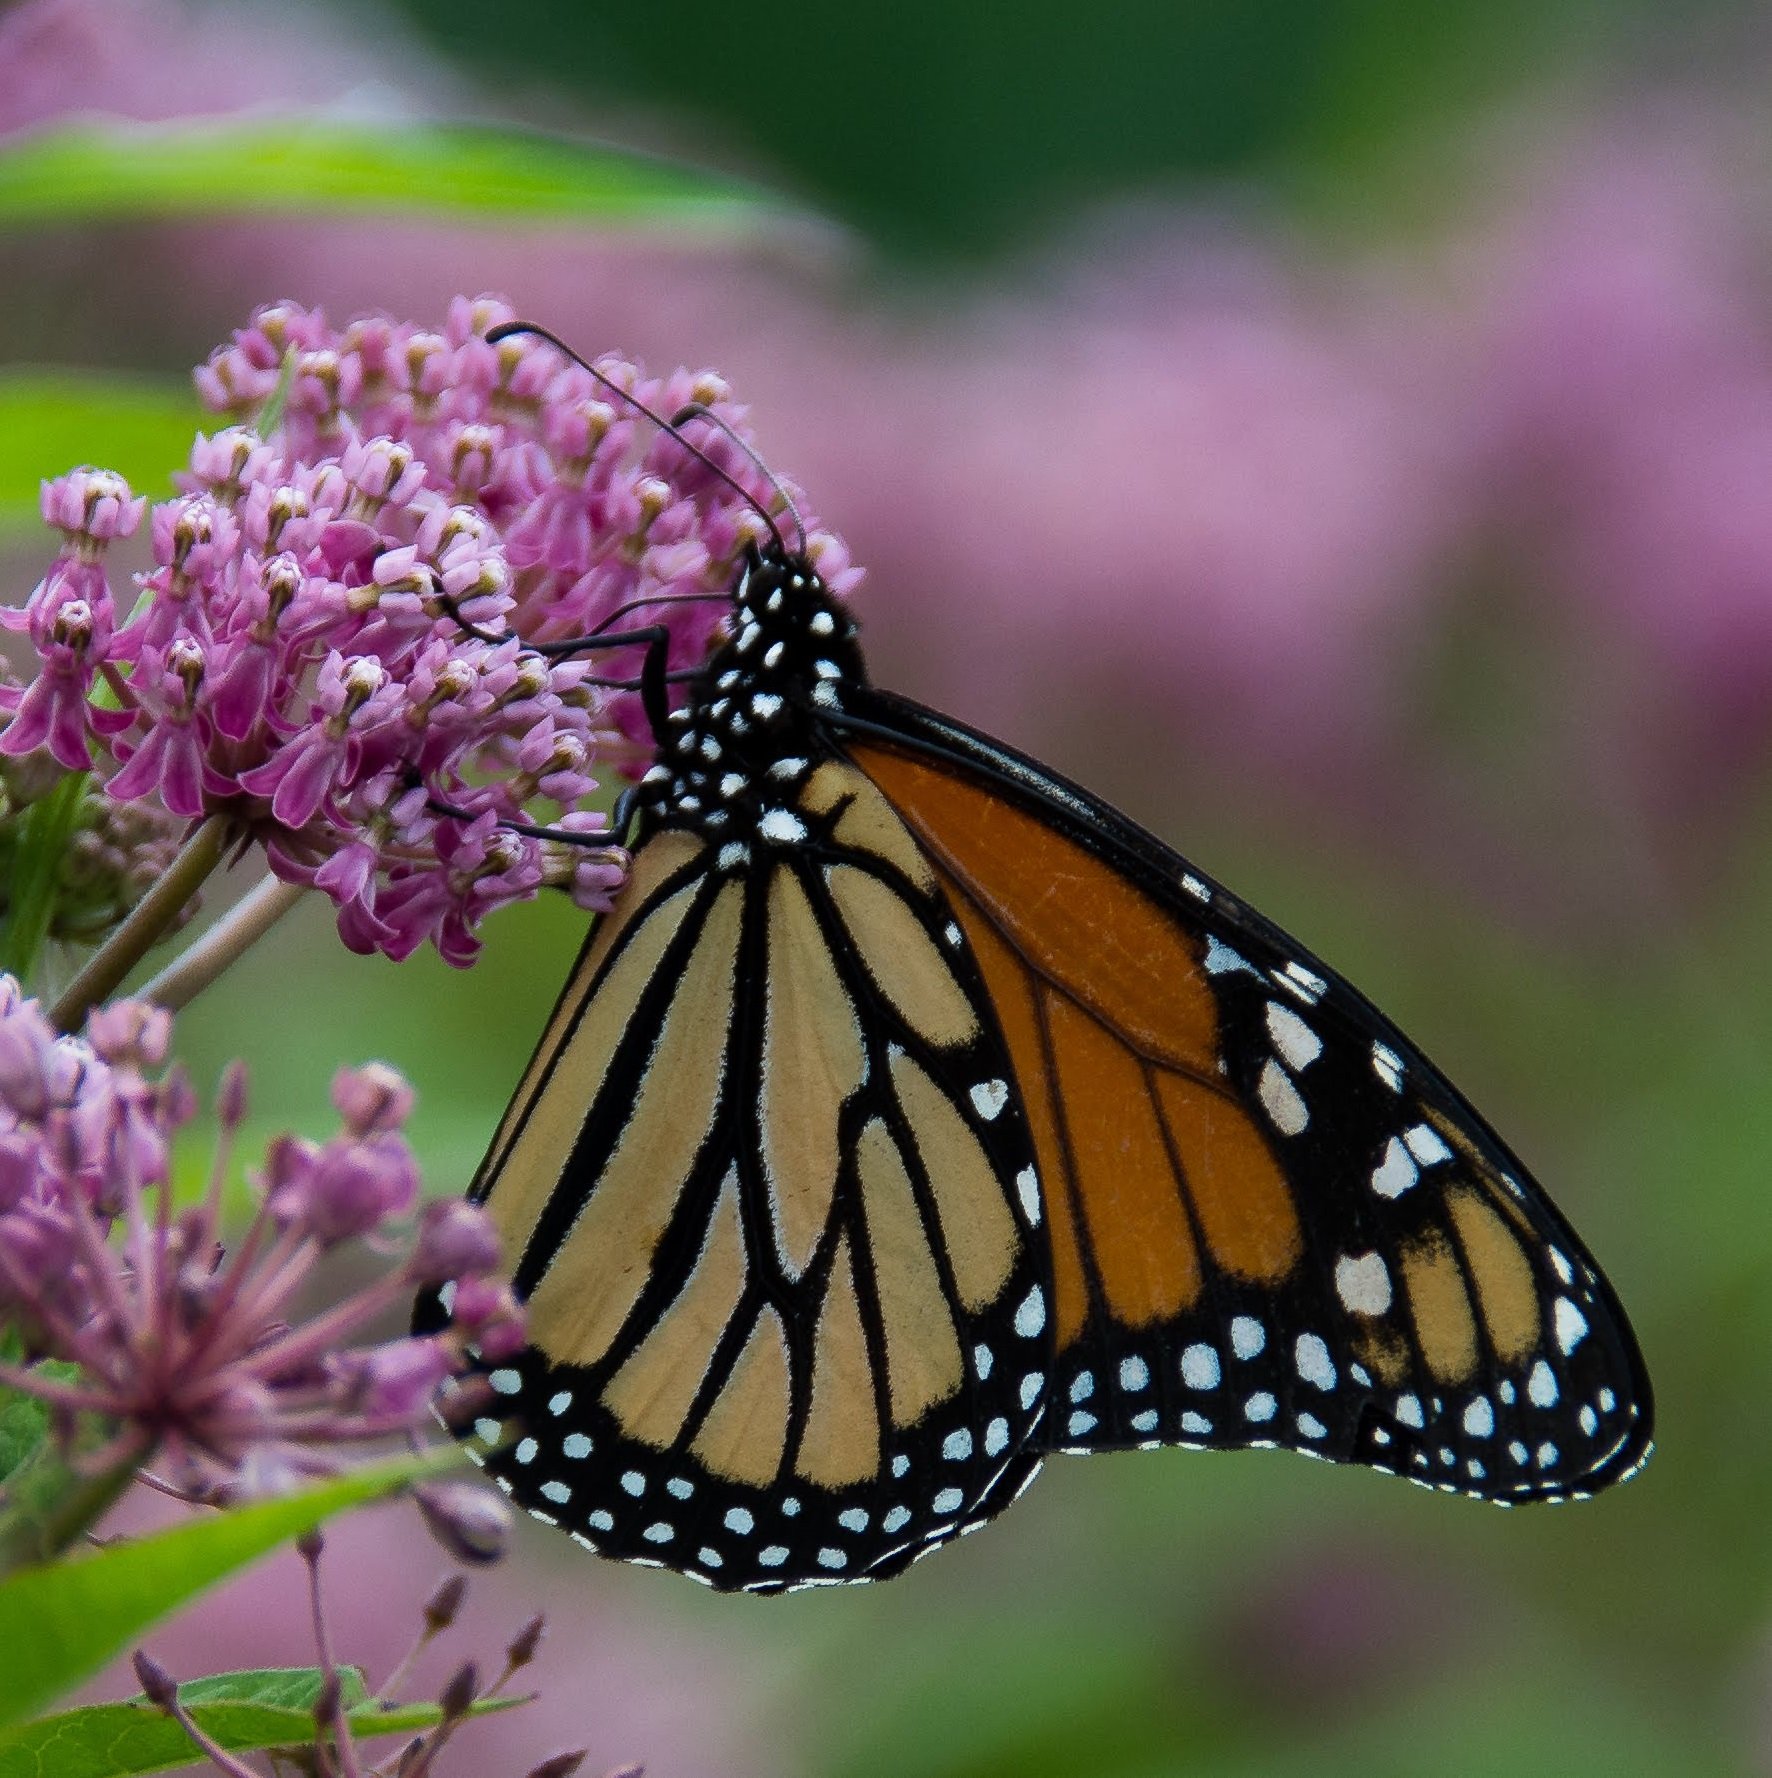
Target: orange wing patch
{"points": [[1154, 1171]]}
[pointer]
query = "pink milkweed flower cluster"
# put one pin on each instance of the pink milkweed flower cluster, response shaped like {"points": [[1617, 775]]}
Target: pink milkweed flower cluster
{"points": [[331, 649], [188, 1348]]}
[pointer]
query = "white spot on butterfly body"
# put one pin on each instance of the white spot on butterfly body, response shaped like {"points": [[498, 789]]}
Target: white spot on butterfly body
{"points": [[1281, 1100], [782, 827], [772, 655], [1298, 1045], [990, 1097], [1396, 1173], [747, 638], [821, 623]]}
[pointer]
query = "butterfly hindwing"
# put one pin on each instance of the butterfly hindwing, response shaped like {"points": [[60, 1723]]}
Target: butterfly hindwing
{"points": [[787, 1310], [1272, 1220]]}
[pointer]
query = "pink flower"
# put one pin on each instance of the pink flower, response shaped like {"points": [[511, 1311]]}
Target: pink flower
{"points": [[330, 648], [187, 1344]]}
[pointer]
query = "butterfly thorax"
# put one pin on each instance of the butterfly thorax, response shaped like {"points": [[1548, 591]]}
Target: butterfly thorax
{"points": [[735, 752]]}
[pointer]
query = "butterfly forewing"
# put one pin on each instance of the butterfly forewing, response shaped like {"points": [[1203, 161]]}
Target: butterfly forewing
{"points": [[1272, 1221], [787, 1310]]}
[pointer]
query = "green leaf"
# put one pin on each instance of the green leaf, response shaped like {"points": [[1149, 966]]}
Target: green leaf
{"points": [[315, 166], [59, 1623], [24, 1420], [35, 879], [52, 421], [245, 1712]]}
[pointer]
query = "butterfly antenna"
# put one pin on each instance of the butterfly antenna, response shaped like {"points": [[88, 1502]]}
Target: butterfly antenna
{"points": [[510, 329], [698, 410]]}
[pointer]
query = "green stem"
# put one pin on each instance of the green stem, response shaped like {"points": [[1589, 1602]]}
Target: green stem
{"points": [[51, 1503], [45, 831], [148, 921]]}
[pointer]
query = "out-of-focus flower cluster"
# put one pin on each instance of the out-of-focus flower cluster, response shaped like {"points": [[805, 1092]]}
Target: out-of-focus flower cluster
{"points": [[186, 1347], [302, 659]]}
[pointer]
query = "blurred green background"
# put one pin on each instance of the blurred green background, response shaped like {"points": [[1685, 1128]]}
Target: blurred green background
{"points": [[1340, 432]]}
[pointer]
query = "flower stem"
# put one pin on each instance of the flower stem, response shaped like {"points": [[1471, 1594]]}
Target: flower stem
{"points": [[51, 1502], [48, 826], [148, 920], [241, 927]]}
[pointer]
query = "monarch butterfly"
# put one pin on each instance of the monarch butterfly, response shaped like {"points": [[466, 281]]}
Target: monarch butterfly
{"points": [[915, 1115]]}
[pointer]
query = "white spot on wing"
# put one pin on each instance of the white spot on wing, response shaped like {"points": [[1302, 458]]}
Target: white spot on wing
{"points": [[1363, 1283], [1427, 1144], [1297, 1043], [990, 1097], [1571, 1325], [1248, 1336], [782, 827], [1311, 1355], [1199, 1367], [1281, 1100], [1396, 1172]]}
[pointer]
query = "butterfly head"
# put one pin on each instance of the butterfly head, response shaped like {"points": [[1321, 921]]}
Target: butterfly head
{"points": [[788, 634], [736, 751]]}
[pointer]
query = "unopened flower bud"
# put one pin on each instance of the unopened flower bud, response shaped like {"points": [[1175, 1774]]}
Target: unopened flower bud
{"points": [[472, 1524], [456, 1239], [158, 1686], [444, 1603]]}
